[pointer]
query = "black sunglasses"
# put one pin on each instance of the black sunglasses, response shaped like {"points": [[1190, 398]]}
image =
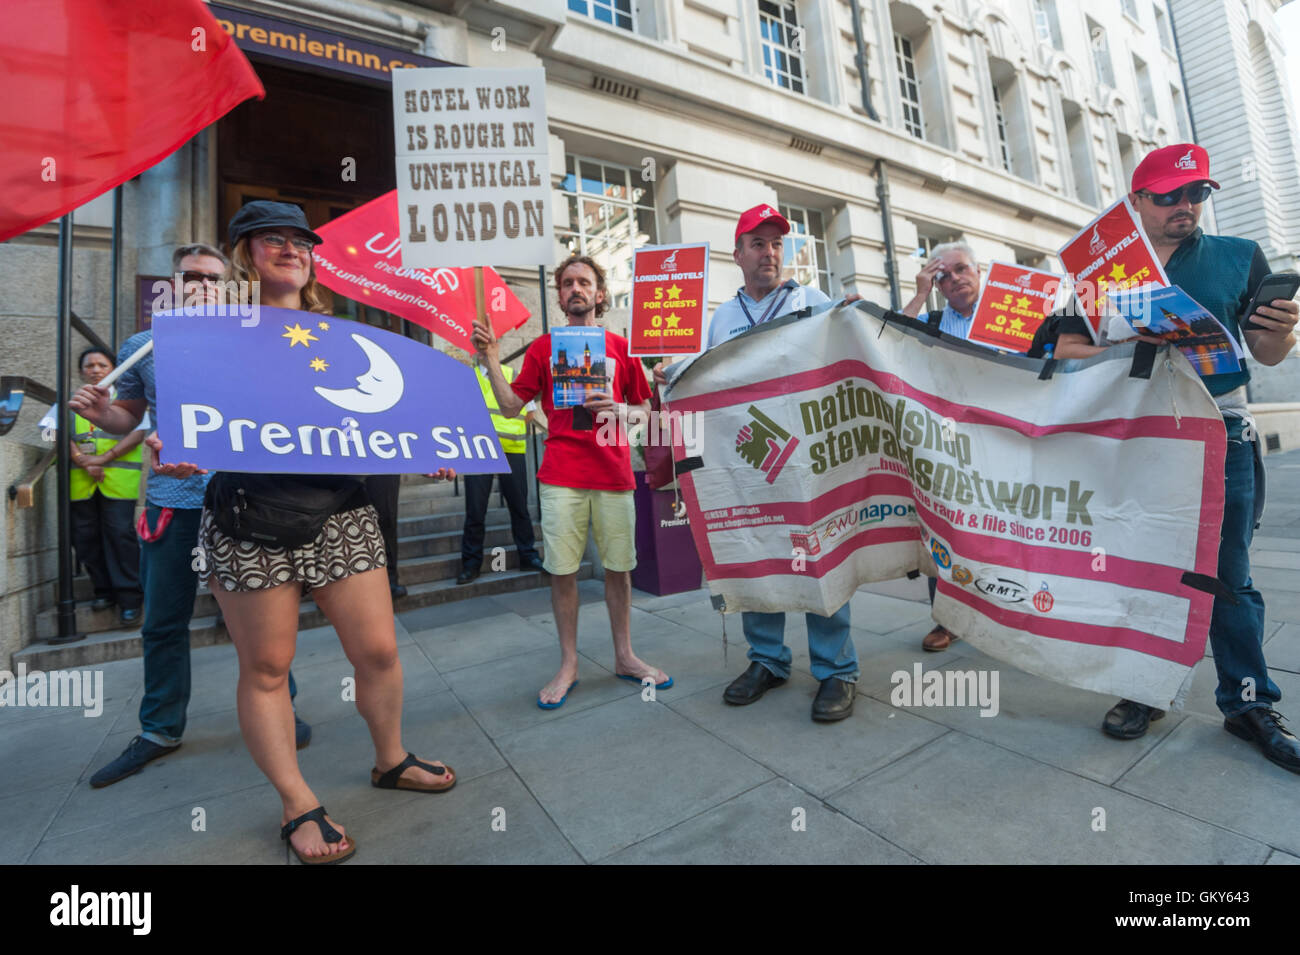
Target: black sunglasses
{"points": [[1196, 194], [212, 277]]}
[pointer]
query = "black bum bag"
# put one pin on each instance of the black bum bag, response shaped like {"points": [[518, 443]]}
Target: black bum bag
{"points": [[275, 510]]}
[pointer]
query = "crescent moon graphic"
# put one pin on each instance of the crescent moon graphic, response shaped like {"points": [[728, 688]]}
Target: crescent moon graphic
{"points": [[377, 390]]}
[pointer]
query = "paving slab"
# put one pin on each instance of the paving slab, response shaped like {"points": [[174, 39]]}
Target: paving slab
{"points": [[490, 820], [881, 614], [527, 603], [502, 694], [764, 826], [211, 762], [960, 800], [616, 774], [778, 731], [1054, 724], [24, 817], [1209, 774], [449, 614], [51, 751], [435, 727], [1274, 559], [914, 589], [1270, 542], [1282, 858], [1200, 699], [236, 831], [472, 642], [1282, 648]]}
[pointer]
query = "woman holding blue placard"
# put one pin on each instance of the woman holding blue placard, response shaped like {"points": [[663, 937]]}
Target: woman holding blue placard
{"points": [[328, 543]]}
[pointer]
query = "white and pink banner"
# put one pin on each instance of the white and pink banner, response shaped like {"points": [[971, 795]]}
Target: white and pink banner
{"points": [[1060, 515]]}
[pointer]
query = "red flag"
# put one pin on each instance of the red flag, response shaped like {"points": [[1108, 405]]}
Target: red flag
{"points": [[98, 91], [361, 259]]}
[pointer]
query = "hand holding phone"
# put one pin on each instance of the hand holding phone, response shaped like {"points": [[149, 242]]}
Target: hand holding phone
{"points": [[1273, 286]]}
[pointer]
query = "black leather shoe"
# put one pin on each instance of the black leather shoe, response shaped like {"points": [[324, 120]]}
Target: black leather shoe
{"points": [[133, 759], [129, 618], [397, 590], [301, 732], [467, 575], [834, 701], [751, 685], [535, 564], [102, 603], [1264, 726], [1129, 720]]}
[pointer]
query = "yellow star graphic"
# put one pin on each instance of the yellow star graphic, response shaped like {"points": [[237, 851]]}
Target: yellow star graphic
{"points": [[319, 364], [673, 320], [673, 291], [1022, 302], [323, 326], [1117, 273], [298, 335], [1017, 324]]}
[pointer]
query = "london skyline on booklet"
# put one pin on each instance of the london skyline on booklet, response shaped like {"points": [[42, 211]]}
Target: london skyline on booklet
{"points": [[577, 364]]}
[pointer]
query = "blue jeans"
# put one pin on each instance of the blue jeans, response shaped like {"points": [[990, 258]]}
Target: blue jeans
{"points": [[1237, 632], [830, 644], [170, 585]]}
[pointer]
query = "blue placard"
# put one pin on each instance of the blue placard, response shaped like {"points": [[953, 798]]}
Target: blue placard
{"points": [[301, 393]]}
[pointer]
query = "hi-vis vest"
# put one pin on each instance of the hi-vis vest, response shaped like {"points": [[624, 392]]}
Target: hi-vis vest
{"points": [[510, 431], [121, 476]]}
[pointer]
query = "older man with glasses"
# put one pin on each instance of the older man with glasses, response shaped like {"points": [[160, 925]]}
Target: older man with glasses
{"points": [[1222, 274]]}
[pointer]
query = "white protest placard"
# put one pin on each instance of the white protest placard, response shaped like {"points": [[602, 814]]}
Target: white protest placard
{"points": [[473, 177]]}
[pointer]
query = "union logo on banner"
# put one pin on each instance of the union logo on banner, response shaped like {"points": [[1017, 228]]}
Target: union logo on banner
{"points": [[1097, 245], [765, 444]]}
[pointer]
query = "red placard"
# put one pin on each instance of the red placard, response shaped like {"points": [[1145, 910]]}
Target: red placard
{"points": [[361, 259], [1013, 304], [1111, 252], [668, 300]]}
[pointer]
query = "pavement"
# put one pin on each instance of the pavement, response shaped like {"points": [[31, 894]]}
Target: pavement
{"points": [[683, 778]]}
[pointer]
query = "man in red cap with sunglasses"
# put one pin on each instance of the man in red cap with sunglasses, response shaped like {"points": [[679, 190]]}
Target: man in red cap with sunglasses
{"points": [[1221, 273]]}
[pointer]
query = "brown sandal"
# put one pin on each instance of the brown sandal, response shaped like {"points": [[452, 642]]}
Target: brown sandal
{"points": [[393, 778]]}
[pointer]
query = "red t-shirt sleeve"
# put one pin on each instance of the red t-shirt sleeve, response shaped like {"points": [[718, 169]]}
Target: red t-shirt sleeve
{"points": [[532, 376], [635, 389]]}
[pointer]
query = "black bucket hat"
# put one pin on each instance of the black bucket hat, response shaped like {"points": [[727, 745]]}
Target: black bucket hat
{"points": [[265, 214]]}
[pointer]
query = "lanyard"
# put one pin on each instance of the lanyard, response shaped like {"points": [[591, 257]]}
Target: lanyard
{"points": [[786, 288]]}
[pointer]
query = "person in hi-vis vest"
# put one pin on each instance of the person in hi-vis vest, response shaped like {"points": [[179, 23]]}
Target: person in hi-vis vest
{"points": [[104, 484], [514, 487]]}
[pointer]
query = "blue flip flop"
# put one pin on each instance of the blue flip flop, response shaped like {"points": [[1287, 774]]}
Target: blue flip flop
{"points": [[636, 679], [557, 705]]}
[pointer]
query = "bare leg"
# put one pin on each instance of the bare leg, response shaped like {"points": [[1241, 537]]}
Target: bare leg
{"points": [[360, 608], [618, 599], [264, 627], [564, 604]]}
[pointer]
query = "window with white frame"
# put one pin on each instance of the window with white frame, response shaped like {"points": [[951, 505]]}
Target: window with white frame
{"points": [[783, 44], [1162, 27], [909, 87], [805, 248], [1180, 113], [1100, 53], [617, 13], [610, 211], [1130, 8], [1046, 24]]}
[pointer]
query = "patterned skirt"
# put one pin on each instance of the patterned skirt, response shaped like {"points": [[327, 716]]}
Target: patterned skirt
{"points": [[350, 543]]}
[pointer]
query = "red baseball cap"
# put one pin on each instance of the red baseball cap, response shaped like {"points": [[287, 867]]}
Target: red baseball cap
{"points": [[751, 219], [1164, 170]]}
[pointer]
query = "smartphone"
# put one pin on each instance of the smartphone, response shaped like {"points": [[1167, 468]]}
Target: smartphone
{"points": [[1274, 285]]}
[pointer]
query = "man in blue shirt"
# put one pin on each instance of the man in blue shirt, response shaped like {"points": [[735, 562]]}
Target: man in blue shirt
{"points": [[953, 268], [1221, 273], [760, 254], [168, 566]]}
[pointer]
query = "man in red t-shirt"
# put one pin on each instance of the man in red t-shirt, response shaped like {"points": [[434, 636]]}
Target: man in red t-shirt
{"points": [[585, 477]]}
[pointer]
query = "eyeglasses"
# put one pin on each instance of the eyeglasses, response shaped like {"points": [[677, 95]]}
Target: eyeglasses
{"points": [[276, 241], [1196, 193], [212, 277]]}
